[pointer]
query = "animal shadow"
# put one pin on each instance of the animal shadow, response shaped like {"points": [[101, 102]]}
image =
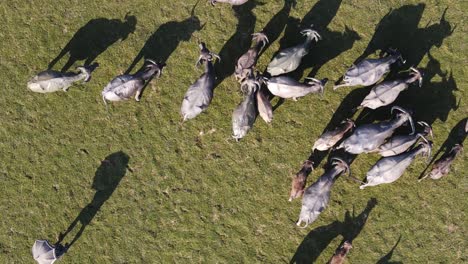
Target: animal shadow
{"points": [[106, 179], [353, 225], [165, 40], [317, 157], [315, 242], [399, 25], [318, 239], [386, 259], [348, 107], [238, 43], [435, 99], [93, 39], [278, 22], [332, 43]]}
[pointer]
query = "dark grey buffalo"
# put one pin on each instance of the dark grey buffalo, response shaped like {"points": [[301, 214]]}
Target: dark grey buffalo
{"points": [[390, 169], [248, 61], [385, 93], [369, 71], [199, 95], [123, 87], [317, 195], [265, 110], [245, 113], [367, 138], [401, 143]]}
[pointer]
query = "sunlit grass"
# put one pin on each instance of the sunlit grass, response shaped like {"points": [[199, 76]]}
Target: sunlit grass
{"points": [[202, 197]]}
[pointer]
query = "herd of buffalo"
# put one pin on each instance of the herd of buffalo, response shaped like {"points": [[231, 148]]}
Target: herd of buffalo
{"points": [[398, 151]]}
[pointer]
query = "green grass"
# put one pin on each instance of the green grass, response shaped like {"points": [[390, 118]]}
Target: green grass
{"points": [[205, 198]]}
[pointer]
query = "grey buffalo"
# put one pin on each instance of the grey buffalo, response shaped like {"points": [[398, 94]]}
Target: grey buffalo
{"points": [[386, 92], [288, 60], [367, 138], [245, 113], [51, 81], [369, 71], [248, 61], [390, 169], [330, 138], [123, 87], [265, 110], [317, 195], [199, 95], [287, 87], [401, 143]]}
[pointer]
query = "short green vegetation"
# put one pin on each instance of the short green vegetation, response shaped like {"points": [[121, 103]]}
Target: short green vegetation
{"points": [[191, 194]]}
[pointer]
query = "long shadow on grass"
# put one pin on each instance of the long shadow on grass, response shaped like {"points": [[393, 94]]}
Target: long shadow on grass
{"points": [[353, 225], [400, 25], [318, 239], [278, 22], [386, 259], [93, 39], [332, 44], [238, 43], [106, 179], [434, 100], [165, 40]]}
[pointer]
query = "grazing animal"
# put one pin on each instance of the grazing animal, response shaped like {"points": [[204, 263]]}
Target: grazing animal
{"points": [[199, 95], [125, 86], [248, 61], [245, 113], [330, 138], [340, 253], [442, 166], [264, 106], [288, 60], [51, 81], [299, 181], [367, 138], [390, 169], [369, 71], [401, 143], [287, 87], [232, 2], [317, 195], [386, 92]]}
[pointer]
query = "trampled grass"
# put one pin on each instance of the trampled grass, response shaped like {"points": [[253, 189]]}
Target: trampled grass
{"points": [[191, 193]]}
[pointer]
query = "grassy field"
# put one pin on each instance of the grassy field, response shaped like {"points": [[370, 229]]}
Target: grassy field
{"points": [[188, 193]]}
